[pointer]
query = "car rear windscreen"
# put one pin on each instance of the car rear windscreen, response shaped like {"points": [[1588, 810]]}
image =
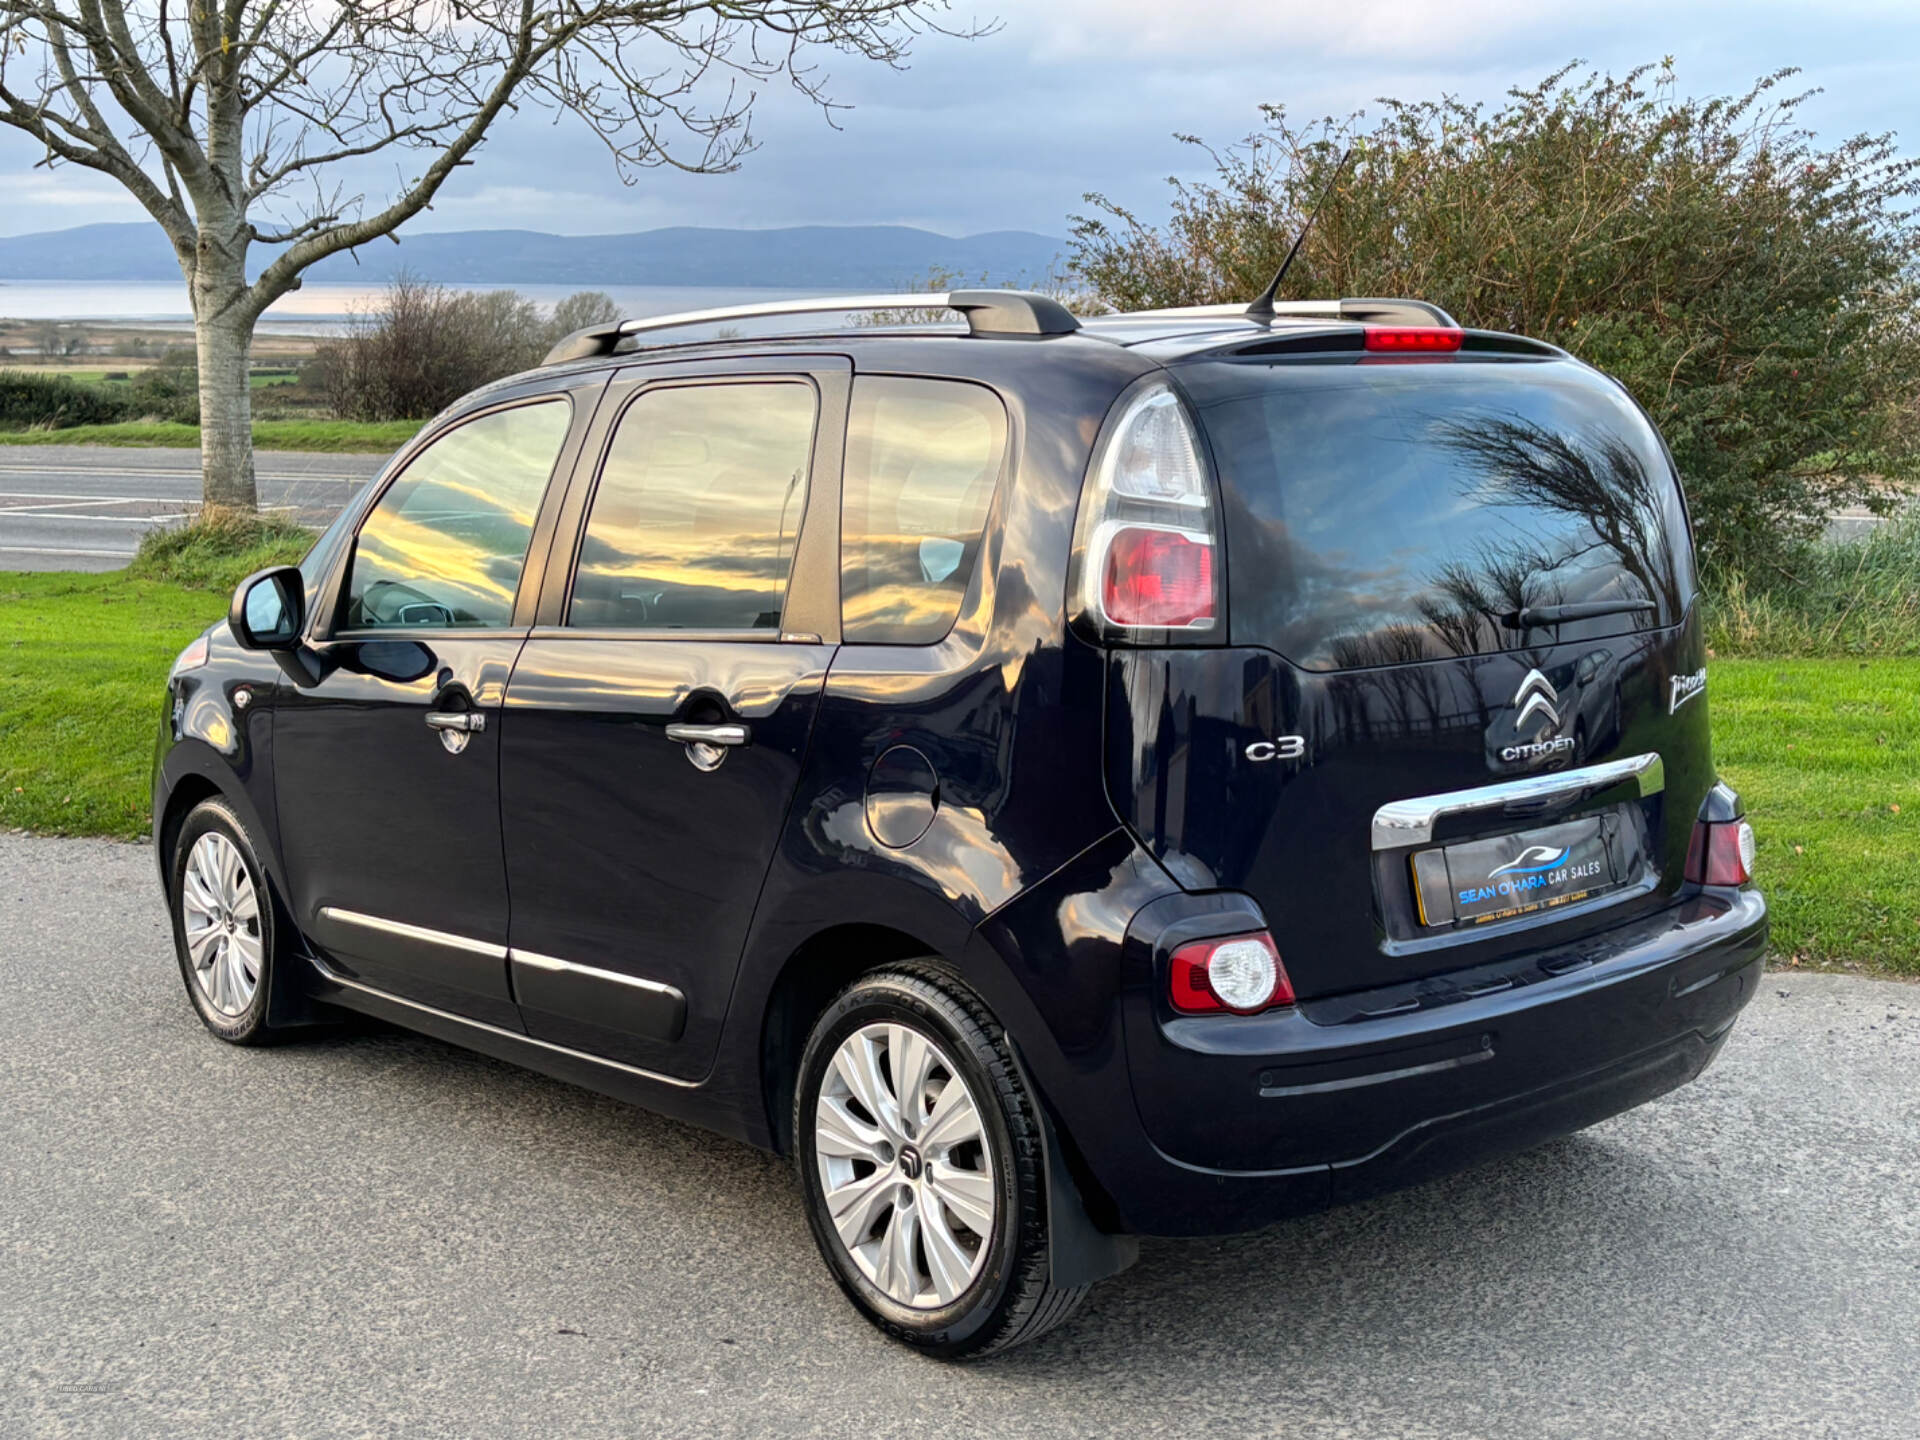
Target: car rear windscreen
{"points": [[1384, 513]]}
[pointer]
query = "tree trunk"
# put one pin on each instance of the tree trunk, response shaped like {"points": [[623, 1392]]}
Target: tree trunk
{"points": [[225, 344]]}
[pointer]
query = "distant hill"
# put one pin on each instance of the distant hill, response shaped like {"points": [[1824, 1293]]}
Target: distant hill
{"points": [[808, 257]]}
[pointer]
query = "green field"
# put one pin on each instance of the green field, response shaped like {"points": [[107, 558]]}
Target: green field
{"points": [[363, 437], [1826, 753], [83, 663]]}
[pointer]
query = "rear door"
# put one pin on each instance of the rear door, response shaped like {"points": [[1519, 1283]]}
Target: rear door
{"points": [[386, 763], [1451, 723], [657, 719]]}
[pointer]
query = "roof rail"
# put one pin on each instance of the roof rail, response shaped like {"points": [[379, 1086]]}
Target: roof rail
{"points": [[1374, 312], [988, 312]]}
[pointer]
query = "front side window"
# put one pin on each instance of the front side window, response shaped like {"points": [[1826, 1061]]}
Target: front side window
{"points": [[922, 459], [447, 542], [697, 512]]}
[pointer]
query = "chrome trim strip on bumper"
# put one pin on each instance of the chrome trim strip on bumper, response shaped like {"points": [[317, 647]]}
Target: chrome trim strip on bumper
{"points": [[556, 966], [334, 978], [1411, 822], [486, 948]]}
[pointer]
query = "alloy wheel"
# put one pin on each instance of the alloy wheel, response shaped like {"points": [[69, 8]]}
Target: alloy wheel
{"points": [[904, 1165], [220, 917]]}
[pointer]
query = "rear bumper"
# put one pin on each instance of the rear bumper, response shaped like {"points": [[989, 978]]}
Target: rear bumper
{"points": [[1248, 1120]]}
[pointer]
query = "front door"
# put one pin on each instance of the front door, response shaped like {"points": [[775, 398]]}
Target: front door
{"points": [[386, 765], [654, 731]]}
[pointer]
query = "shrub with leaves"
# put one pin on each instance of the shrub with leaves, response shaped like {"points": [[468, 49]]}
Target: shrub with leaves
{"points": [[1755, 290], [424, 346], [169, 390], [28, 400]]}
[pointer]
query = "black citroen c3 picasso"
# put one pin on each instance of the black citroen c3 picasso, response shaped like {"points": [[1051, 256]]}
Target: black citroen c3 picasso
{"points": [[1056, 780]]}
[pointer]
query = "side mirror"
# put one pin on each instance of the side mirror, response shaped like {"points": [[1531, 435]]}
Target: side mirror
{"points": [[269, 609]]}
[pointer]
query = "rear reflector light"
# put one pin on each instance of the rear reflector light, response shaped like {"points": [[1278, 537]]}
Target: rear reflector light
{"points": [[1155, 578], [1721, 854], [1237, 973], [1425, 340]]}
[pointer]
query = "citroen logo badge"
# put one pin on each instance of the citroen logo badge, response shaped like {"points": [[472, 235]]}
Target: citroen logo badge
{"points": [[1536, 697]]}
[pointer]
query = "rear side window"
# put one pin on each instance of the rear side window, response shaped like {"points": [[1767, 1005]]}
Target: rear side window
{"points": [[698, 508], [447, 542], [922, 460], [1380, 514]]}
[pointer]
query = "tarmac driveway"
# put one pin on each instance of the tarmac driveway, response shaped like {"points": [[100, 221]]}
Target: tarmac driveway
{"points": [[380, 1234]]}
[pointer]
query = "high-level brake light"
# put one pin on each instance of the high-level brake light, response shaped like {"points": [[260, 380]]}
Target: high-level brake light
{"points": [[1413, 340]]}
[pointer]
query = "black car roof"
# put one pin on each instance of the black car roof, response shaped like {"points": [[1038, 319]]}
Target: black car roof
{"points": [[1154, 337]]}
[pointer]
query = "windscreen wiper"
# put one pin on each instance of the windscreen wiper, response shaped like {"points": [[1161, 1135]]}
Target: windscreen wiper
{"points": [[1528, 616]]}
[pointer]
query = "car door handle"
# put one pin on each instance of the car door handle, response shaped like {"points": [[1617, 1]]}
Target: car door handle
{"points": [[456, 727], [709, 734]]}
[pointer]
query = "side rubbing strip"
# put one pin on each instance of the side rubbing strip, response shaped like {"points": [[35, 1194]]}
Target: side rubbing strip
{"points": [[590, 972], [588, 995], [334, 915], [512, 1038], [1412, 822]]}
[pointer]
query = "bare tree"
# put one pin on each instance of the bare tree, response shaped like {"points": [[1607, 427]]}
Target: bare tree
{"points": [[231, 121]]}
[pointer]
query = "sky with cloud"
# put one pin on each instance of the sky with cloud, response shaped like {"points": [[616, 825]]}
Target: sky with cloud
{"points": [[1067, 96]]}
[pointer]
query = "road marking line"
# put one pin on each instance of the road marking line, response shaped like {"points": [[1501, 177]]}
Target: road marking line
{"points": [[101, 499], [105, 471], [55, 495], [70, 500], [108, 519], [46, 550]]}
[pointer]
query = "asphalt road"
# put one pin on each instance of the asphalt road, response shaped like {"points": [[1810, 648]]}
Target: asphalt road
{"points": [[85, 507], [380, 1234]]}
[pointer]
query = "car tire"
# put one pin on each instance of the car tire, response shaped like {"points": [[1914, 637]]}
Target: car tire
{"points": [[226, 927], [896, 1226]]}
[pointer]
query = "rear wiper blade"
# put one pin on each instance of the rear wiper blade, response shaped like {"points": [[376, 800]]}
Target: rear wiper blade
{"points": [[1529, 616]]}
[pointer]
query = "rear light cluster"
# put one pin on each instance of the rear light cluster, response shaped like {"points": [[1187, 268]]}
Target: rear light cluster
{"points": [[1147, 545], [1241, 974], [1161, 579], [1721, 853]]}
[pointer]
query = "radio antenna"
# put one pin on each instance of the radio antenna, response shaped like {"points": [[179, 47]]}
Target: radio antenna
{"points": [[1262, 309]]}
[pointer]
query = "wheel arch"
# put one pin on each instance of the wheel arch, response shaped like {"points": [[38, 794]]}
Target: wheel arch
{"points": [[193, 771], [819, 969], [189, 791]]}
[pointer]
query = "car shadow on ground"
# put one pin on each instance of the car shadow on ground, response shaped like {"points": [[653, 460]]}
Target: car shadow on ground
{"points": [[1496, 1259]]}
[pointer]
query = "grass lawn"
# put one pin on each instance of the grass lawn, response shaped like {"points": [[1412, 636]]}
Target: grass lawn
{"points": [[333, 436], [1825, 752], [83, 663]]}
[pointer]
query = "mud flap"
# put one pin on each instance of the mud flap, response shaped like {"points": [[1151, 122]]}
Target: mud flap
{"points": [[1078, 1251]]}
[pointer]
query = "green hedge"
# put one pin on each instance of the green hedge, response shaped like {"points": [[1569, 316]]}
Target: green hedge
{"points": [[27, 399]]}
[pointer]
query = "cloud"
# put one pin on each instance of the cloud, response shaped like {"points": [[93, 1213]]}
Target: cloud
{"points": [[1009, 132], [63, 190], [1211, 31]]}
